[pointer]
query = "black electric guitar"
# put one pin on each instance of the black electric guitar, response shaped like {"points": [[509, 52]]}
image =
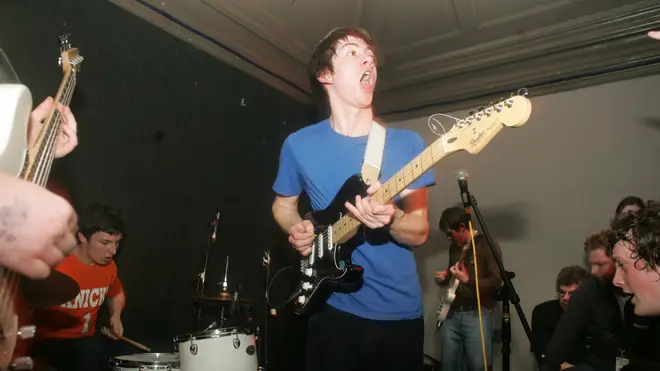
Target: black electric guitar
{"points": [[328, 267]]}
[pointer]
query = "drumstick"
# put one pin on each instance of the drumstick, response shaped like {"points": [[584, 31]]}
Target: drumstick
{"points": [[132, 342]]}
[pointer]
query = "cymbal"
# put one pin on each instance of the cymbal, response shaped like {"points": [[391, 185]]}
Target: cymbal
{"points": [[223, 296], [56, 289]]}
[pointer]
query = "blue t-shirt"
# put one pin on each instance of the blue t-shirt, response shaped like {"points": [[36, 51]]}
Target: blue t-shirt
{"points": [[318, 160]]}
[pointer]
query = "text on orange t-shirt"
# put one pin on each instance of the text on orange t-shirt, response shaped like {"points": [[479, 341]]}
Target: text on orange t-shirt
{"points": [[77, 318]]}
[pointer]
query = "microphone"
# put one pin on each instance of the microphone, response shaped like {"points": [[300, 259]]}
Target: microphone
{"points": [[462, 178], [214, 223]]}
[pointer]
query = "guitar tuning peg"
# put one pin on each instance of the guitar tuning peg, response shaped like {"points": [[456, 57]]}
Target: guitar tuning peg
{"points": [[480, 109], [471, 113], [523, 92]]}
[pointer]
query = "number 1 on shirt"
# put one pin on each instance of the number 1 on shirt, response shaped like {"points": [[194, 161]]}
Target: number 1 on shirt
{"points": [[88, 316]]}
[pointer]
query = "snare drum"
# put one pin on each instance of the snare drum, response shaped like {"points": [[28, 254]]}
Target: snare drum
{"points": [[146, 361], [232, 348]]}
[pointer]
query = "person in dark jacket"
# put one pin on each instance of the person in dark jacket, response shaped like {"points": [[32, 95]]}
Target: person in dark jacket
{"points": [[590, 330], [545, 316]]}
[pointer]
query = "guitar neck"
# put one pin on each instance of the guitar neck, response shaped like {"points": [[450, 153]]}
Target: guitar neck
{"points": [[40, 158], [347, 225], [471, 134]]}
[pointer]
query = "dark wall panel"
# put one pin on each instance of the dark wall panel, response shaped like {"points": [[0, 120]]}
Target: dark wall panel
{"points": [[168, 134]]}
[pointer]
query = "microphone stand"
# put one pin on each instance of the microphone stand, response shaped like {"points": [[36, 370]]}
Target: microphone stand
{"points": [[509, 292], [505, 298]]}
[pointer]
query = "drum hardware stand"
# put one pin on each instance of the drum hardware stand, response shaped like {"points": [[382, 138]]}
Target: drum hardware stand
{"points": [[263, 362], [201, 277], [224, 291]]}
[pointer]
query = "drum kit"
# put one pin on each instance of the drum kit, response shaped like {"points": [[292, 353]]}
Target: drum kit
{"points": [[229, 348], [223, 345], [228, 343]]}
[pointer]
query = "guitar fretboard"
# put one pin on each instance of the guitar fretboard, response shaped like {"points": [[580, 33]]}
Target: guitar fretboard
{"points": [[38, 167], [347, 224]]}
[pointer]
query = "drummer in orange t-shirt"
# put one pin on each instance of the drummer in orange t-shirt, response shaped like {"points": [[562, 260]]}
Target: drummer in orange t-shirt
{"points": [[65, 333]]}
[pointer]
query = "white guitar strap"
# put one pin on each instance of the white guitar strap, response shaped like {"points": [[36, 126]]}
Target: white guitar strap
{"points": [[373, 155]]}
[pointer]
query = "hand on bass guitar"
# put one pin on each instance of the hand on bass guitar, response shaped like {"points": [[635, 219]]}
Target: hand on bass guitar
{"points": [[37, 227], [67, 139]]}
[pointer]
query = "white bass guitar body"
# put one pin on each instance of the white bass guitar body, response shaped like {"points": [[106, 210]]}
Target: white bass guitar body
{"points": [[15, 109]]}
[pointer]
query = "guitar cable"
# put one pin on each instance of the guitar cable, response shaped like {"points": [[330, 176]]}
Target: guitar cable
{"points": [[476, 278], [270, 284]]}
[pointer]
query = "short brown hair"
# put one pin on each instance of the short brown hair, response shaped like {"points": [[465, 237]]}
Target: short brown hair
{"points": [[321, 60], [599, 240], [571, 275]]}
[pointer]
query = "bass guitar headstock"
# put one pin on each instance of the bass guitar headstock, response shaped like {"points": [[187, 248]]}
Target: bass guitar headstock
{"points": [[69, 56]]}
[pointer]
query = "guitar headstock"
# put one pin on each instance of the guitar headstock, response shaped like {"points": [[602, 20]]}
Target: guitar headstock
{"points": [[474, 132], [69, 56]]}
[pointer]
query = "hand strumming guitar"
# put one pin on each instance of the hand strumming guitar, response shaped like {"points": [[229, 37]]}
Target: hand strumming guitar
{"points": [[460, 272], [67, 139], [370, 212], [301, 236]]}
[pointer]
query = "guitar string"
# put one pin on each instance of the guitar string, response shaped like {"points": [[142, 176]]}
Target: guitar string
{"points": [[46, 154], [422, 158], [347, 221], [52, 142], [45, 162], [426, 158]]}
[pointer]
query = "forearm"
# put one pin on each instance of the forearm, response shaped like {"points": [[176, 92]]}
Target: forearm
{"points": [[286, 217], [410, 229], [117, 304]]}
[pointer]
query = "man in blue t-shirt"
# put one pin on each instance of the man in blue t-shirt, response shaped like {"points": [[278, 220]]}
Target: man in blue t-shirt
{"points": [[379, 326]]}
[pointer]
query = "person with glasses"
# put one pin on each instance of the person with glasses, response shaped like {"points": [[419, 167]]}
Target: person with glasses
{"points": [[545, 316], [591, 329]]}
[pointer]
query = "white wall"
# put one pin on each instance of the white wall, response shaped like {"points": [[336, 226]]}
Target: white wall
{"points": [[545, 186]]}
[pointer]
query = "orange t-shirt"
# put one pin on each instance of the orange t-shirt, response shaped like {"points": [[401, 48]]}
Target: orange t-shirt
{"points": [[77, 318]]}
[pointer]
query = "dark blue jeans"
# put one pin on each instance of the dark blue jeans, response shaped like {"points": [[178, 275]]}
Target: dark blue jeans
{"points": [[340, 341], [460, 338], [81, 354]]}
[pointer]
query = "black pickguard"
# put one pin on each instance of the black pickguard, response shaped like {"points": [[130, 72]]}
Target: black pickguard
{"points": [[329, 278]]}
